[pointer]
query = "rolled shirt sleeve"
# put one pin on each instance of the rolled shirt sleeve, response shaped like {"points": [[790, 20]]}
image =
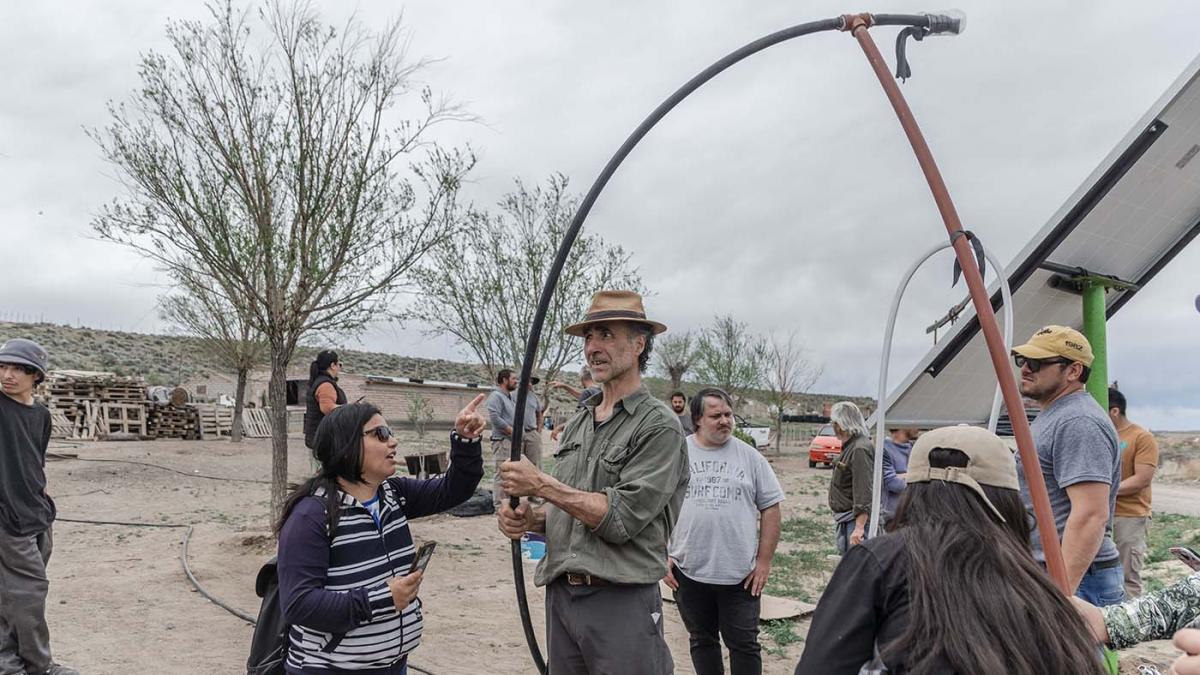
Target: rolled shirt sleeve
{"points": [[652, 469]]}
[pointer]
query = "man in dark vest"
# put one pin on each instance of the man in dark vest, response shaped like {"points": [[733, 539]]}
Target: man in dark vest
{"points": [[324, 394]]}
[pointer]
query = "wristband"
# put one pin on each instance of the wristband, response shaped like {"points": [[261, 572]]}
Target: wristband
{"points": [[455, 436]]}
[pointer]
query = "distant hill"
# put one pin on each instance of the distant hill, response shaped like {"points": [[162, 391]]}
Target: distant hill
{"points": [[167, 359], [164, 359]]}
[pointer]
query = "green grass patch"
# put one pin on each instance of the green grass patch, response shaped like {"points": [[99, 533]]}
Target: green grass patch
{"points": [[800, 574], [1171, 529], [811, 529], [782, 632]]}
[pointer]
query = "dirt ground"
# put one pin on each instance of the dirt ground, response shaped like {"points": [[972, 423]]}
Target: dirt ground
{"points": [[120, 603]]}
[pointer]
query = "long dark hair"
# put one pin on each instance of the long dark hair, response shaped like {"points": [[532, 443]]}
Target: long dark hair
{"points": [[320, 365], [978, 601], [338, 447]]}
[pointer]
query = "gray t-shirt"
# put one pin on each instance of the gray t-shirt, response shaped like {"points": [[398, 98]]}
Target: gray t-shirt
{"points": [[1076, 443], [716, 538], [685, 421]]}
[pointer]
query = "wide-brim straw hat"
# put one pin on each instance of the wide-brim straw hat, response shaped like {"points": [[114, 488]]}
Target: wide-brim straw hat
{"points": [[614, 306]]}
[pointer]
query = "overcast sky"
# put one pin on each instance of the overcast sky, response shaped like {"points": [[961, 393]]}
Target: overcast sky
{"points": [[783, 192]]}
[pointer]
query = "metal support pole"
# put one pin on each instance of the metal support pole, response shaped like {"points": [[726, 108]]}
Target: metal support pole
{"points": [[857, 25], [1095, 330]]}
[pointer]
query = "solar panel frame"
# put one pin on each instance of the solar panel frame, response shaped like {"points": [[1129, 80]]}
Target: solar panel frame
{"points": [[1152, 178]]}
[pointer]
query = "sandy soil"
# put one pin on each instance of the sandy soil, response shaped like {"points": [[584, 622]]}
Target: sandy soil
{"points": [[119, 601]]}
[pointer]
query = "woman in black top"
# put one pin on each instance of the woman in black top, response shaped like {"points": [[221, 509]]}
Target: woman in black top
{"points": [[953, 588], [324, 394]]}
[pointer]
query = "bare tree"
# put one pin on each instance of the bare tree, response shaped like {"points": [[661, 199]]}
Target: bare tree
{"points": [[675, 354], [481, 286], [731, 357], [790, 372], [227, 336], [257, 156]]}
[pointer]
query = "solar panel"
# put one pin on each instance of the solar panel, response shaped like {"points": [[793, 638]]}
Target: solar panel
{"points": [[1131, 216]]}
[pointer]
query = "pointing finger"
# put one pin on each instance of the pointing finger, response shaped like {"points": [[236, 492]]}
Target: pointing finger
{"points": [[474, 404]]}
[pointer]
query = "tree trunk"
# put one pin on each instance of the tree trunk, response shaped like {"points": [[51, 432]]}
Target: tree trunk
{"points": [[239, 404], [676, 378], [279, 432]]}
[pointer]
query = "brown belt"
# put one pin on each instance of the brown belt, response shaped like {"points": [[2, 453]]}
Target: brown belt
{"points": [[585, 580]]}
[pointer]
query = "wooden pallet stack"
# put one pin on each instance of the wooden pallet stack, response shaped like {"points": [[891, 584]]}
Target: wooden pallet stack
{"points": [[94, 405], [171, 421], [215, 421]]}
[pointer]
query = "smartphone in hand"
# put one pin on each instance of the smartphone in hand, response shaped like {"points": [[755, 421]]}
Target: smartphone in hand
{"points": [[1188, 556], [421, 560]]}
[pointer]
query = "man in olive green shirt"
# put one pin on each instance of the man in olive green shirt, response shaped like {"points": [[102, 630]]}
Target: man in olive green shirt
{"points": [[619, 480]]}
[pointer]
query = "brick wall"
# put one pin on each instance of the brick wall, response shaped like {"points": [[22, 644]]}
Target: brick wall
{"points": [[394, 399]]}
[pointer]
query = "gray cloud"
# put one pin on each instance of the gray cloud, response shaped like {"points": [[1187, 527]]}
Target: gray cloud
{"points": [[783, 192]]}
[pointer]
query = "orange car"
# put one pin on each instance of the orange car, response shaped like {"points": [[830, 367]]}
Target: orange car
{"points": [[825, 448]]}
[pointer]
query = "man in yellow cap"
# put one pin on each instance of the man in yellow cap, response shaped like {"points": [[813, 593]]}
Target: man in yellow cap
{"points": [[1080, 460], [620, 475]]}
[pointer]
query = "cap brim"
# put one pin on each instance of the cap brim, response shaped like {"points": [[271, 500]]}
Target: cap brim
{"points": [[1034, 352], [13, 359], [578, 328]]}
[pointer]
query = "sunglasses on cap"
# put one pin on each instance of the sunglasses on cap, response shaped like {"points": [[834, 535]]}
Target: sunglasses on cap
{"points": [[1035, 365], [382, 433]]}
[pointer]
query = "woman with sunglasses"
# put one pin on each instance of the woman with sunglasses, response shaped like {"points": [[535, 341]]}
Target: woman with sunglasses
{"points": [[345, 549]]}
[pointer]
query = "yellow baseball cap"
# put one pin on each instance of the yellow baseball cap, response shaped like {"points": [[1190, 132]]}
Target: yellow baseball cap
{"points": [[1053, 341]]}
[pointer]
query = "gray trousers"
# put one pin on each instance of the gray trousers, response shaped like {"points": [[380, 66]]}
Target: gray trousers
{"points": [[1129, 534], [24, 635], [606, 630]]}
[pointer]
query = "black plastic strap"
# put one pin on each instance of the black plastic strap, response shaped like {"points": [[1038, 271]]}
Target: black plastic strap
{"points": [[977, 246], [903, 72]]}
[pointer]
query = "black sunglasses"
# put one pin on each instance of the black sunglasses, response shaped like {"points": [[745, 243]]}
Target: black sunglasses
{"points": [[382, 432], [1036, 364]]}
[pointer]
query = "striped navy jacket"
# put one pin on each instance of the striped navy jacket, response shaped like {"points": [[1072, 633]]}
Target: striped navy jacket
{"points": [[334, 592]]}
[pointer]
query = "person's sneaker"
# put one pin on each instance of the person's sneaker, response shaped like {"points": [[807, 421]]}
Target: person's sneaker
{"points": [[60, 669]]}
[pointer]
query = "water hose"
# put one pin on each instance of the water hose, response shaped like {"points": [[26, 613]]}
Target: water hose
{"points": [[187, 570], [889, 331], [935, 23], [858, 26]]}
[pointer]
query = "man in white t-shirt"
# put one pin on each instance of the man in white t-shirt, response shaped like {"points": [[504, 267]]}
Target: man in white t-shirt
{"points": [[721, 549]]}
